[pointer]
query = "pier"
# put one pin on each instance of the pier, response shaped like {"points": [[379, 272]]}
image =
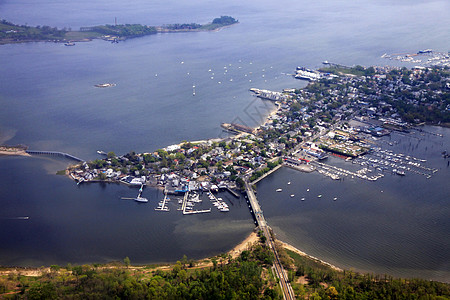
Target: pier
{"points": [[55, 153], [162, 204], [190, 211]]}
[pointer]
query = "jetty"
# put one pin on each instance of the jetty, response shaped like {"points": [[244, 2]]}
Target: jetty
{"points": [[55, 153]]}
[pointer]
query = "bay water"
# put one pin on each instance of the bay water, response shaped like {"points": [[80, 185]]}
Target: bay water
{"points": [[49, 102]]}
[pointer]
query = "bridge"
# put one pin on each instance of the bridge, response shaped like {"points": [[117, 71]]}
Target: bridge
{"points": [[55, 153], [286, 288]]}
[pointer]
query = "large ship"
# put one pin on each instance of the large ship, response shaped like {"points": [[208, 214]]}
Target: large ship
{"points": [[307, 74]]}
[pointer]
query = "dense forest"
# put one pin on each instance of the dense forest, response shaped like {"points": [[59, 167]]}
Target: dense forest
{"points": [[12, 32], [216, 23], [127, 30], [248, 276]]}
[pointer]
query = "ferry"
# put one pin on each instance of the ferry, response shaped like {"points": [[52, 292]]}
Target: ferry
{"points": [[307, 74]]}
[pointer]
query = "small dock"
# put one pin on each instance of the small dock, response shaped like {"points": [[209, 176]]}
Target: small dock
{"points": [[162, 205], [197, 211], [191, 211]]}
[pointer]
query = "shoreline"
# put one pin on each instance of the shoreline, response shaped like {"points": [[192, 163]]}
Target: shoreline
{"points": [[159, 30], [13, 152], [296, 250]]}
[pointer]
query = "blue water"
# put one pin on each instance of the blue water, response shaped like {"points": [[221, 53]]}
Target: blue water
{"points": [[48, 101]]}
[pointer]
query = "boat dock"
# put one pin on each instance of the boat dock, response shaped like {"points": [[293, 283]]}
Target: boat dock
{"points": [[162, 204], [189, 210]]}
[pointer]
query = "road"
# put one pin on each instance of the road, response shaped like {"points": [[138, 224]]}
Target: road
{"points": [[286, 288]]}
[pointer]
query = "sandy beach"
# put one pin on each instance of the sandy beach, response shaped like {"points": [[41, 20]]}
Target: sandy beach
{"points": [[249, 240], [13, 151], [293, 249]]}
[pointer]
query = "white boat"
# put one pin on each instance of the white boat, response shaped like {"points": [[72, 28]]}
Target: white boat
{"points": [[141, 199], [303, 199], [307, 190], [292, 195], [335, 198], [279, 190], [105, 85], [289, 182], [320, 196]]}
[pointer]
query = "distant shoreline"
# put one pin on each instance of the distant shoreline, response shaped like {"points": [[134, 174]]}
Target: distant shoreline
{"points": [[14, 34]]}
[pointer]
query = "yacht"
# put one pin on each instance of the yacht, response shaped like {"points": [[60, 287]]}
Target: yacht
{"points": [[141, 199]]}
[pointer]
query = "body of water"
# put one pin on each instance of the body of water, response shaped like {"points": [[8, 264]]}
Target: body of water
{"points": [[49, 102]]}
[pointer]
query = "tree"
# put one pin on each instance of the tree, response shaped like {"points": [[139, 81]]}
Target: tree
{"points": [[126, 261]]}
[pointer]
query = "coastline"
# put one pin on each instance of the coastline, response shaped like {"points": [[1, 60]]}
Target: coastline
{"points": [[293, 249], [13, 152], [89, 38], [253, 238]]}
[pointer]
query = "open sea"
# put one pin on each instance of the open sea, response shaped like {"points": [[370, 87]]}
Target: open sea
{"points": [[48, 102]]}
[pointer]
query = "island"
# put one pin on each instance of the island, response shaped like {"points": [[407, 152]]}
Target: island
{"points": [[12, 33]]}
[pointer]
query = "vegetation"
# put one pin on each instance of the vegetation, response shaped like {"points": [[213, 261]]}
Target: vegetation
{"points": [[245, 277], [123, 31], [216, 23], [312, 279], [356, 70], [10, 32], [270, 166]]}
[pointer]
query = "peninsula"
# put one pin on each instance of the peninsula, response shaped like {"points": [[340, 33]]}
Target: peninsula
{"points": [[12, 33], [334, 115]]}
